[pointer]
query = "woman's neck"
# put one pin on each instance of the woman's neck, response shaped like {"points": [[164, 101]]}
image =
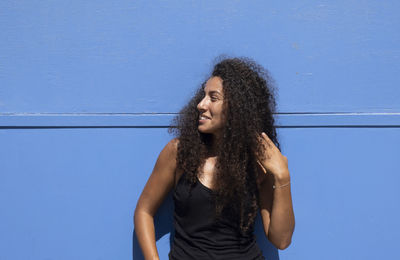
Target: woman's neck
{"points": [[215, 144]]}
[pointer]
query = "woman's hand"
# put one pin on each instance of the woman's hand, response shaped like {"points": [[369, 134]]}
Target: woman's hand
{"points": [[273, 161], [276, 210]]}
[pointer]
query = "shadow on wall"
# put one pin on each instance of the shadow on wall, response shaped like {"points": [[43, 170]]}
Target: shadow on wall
{"points": [[163, 222]]}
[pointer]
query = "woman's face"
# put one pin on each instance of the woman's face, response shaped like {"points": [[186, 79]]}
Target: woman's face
{"points": [[211, 112]]}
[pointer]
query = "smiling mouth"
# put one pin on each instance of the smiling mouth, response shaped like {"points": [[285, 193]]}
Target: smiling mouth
{"points": [[203, 118]]}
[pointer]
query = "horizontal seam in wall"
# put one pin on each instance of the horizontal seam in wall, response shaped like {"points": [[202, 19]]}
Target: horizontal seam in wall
{"points": [[164, 120]]}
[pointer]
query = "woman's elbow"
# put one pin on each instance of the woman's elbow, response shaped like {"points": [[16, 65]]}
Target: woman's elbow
{"points": [[283, 245], [139, 215]]}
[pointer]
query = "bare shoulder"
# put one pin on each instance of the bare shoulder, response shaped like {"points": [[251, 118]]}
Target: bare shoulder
{"points": [[167, 157], [172, 148], [173, 144]]}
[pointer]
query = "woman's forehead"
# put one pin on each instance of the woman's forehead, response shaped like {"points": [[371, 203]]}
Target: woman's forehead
{"points": [[214, 84]]}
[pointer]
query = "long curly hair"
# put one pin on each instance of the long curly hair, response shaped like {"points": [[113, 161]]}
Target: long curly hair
{"points": [[249, 103]]}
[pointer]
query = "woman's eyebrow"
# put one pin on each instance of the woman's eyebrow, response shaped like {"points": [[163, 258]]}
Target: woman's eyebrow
{"points": [[214, 92]]}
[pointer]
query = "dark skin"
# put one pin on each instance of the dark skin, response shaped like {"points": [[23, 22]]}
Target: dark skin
{"points": [[275, 204]]}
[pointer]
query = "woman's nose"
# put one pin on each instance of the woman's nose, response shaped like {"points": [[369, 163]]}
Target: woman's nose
{"points": [[201, 105]]}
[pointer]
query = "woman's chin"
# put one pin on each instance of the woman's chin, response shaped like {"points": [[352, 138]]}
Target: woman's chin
{"points": [[203, 131]]}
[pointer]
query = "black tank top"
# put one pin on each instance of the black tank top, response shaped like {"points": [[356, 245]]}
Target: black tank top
{"points": [[198, 236]]}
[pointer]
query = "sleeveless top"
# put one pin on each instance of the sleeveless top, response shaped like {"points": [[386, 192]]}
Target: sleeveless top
{"points": [[198, 236]]}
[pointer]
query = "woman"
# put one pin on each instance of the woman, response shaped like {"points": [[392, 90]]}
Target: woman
{"points": [[224, 166]]}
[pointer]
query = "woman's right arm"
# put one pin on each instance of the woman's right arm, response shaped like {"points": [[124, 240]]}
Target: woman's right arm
{"points": [[156, 189]]}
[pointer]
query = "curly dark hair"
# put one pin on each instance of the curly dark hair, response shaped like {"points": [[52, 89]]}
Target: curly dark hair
{"points": [[249, 103]]}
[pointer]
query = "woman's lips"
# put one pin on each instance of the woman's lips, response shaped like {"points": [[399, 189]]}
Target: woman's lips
{"points": [[203, 119]]}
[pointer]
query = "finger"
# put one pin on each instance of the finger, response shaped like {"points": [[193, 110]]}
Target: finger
{"points": [[265, 136], [264, 144], [262, 140], [261, 166], [286, 159], [267, 139]]}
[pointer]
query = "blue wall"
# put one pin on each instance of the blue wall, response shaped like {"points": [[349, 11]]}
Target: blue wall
{"points": [[87, 90]]}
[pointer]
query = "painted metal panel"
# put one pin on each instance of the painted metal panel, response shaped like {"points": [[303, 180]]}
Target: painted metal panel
{"points": [[87, 89], [157, 120], [71, 193], [148, 56]]}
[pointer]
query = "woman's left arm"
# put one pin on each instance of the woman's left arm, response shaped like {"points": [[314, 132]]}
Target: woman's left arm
{"points": [[276, 203]]}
